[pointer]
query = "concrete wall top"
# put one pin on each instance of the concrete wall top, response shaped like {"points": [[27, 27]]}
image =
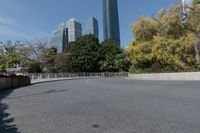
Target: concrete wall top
{"points": [[185, 76]]}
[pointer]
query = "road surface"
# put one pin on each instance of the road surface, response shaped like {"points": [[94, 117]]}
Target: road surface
{"points": [[107, 105]]}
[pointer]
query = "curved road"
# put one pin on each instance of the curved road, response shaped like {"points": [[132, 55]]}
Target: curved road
{"points": [[109, 105]]}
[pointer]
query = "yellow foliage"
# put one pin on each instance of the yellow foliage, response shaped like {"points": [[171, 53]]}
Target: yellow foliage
{"points": [[144, 29], [165, 41]]}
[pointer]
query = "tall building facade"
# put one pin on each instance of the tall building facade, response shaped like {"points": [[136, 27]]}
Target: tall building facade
{"points": [[59, 39], [74, 29], [111, 20], [92, 27], [187, 4]]}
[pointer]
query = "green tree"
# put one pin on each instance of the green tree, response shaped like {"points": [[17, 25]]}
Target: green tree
{"points": [[62, 62], [35, 67], [48, 60], [112, 57], [84, 54], [122, 63], [196, 1]]}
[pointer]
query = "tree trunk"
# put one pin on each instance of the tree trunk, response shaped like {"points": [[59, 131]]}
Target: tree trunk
{"points": [[196, 46]]}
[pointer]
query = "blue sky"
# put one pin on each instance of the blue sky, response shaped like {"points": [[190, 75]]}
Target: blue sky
{"points": [[30, 19]]}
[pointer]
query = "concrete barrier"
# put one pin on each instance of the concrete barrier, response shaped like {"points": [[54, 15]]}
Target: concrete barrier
{"points": [[2, 83], [13, 82], [186, 76], [24, 81]]}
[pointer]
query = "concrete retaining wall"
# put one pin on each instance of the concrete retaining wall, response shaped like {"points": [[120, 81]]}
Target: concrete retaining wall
{"points": [[5, 83], [188, 76], [13, 82]]}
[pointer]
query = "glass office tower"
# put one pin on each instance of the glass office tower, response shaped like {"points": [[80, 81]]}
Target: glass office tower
{"points": [[92, 27], [187, 4], [59, 38], [111, 20], [74, 29]]}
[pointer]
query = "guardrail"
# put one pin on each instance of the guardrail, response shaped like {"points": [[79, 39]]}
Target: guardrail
{"points": [[56, 76]]}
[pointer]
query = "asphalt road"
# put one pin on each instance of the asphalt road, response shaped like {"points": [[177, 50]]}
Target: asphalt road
{"points": [[103, 106]]}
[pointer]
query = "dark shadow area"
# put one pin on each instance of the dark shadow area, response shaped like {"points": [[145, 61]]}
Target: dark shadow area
{"points": [[37, 94], [6, 121]]}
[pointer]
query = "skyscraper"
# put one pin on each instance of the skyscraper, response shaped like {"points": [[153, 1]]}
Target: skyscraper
{"points": [[74, 29], [187, 4], [59, 38], [111, 20], [92, 27]]}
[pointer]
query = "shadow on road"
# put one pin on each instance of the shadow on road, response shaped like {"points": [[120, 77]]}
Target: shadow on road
{"points": [[37, 94], [6, 121]]}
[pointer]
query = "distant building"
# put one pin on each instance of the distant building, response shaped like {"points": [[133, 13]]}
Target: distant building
{"points": [[111, 20], [59, 39], [92, 27], [65, 38], [187, 5], [74, 29]]}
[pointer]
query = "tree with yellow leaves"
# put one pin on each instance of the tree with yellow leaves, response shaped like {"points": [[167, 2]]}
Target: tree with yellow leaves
{"points": [[165, 43]]}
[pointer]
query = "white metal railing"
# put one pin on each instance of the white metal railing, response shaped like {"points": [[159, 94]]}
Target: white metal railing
{"points": [[49, 76]]}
